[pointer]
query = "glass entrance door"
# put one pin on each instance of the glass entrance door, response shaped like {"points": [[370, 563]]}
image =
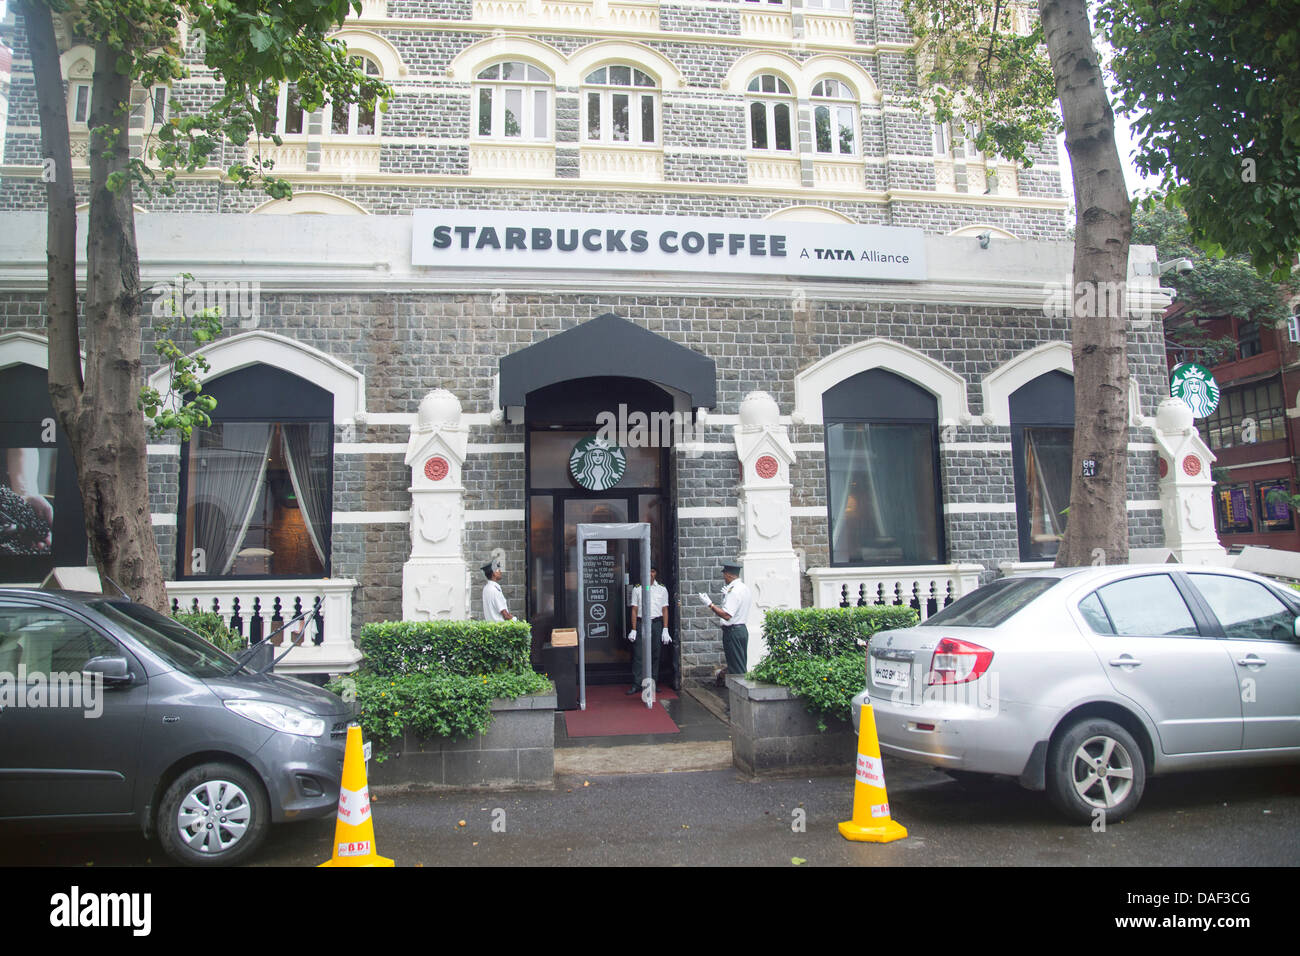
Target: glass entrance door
{"points": [[606, 613]]}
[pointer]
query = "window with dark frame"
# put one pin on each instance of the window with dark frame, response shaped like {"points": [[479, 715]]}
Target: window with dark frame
{"points": [[1247, 412], [1042, 447], [1233, 513], [257, 486], [882, 472]]}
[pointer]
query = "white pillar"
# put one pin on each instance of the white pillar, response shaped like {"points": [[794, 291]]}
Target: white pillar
{"points": [[434, 581], [769, 565], [1186, 486]]}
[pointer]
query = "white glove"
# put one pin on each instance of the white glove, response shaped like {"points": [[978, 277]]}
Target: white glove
{"points": [[632, 637], [667, 638]]}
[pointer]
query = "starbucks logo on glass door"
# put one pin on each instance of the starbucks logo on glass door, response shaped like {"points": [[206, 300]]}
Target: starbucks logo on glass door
{"points": [[597, 464]]}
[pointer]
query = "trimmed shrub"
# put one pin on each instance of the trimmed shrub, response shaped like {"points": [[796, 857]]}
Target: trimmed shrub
{"points": [[828, 632], [437, 678], [468, 648], [819, 653]]}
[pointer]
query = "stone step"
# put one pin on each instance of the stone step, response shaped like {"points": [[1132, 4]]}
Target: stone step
{"points": [[644, 758]]}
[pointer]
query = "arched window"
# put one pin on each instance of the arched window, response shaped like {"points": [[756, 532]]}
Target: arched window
{"points": [[835, 122], [1042, 445], [353, 119], [512, 100], [882, 471], [257, 486], [621, 106], [41, 524], [771, 111]]}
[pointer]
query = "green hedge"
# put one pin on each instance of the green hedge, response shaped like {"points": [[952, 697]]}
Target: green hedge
{"points": [[819, 653], [213, 627], [468, 648], [828, 632], [437, 678]]}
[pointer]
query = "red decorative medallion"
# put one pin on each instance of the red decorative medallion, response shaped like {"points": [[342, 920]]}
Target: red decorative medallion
{"points": [[766, 467], [1164, 467], [436, 468], [1192, 466]]}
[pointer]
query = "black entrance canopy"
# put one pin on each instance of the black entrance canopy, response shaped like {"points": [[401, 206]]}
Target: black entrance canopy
{"points": [[608, 345]]}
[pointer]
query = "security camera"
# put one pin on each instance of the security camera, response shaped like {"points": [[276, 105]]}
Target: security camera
{"points": [[1180, 266]]}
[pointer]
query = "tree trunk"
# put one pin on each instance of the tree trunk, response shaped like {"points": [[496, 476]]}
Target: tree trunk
{"points": [[1097, 529], [99, 414]]}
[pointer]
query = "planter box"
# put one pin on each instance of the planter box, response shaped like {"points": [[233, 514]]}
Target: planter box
{"points": [[773, 733], [518, 750]]}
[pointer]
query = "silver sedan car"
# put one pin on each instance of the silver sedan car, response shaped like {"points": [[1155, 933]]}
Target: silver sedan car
{"points": [[1085, 681]]}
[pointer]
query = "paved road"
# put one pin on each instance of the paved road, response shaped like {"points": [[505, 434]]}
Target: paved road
{"points": [[719, 818]]}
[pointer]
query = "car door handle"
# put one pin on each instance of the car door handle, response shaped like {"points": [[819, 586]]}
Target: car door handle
{"points": [[1125, 661], [1251, 660]]}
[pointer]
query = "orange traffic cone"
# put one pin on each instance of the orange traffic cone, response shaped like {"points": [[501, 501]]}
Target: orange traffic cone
{"points": [[871, 822], [354, 832]]}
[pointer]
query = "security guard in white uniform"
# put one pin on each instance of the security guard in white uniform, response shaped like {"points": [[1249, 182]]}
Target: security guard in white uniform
{"points": [[737, 601], [659, 635]]}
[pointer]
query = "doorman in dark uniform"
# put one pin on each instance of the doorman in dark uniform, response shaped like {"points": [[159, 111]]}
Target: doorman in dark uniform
{"points": [[736, 604]]}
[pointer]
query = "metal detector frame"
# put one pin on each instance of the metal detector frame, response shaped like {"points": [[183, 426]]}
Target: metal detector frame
{"points": [[633, 531]]}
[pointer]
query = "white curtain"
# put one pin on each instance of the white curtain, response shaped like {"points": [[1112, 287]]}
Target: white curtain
{"points": [[310, 476], [230, 470]]}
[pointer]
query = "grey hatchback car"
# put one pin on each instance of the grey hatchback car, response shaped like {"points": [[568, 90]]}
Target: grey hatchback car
{"points": [[112, 715], [1084, 681]]}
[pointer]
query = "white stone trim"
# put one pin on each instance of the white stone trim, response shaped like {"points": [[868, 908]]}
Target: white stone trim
{"points": [[708, 511], [808, 511], [805, 212], [162, 520], [1019, 371], [365, 42], [467, 64], [370, 448], [838, 67], [1150, 505], [947, 386], [162, 450], [311, 202], [980, 508], [497, 448], [995, 232], [993, 446], [370, 517], [24, 348], [258, 347], [494, 514], [593, 55]]}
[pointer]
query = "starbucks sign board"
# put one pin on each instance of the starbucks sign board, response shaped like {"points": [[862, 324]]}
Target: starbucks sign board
{"points": [[1196, 386]]}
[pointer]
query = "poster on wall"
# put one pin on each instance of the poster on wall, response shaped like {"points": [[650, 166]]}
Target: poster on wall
{"points": [[27, 501]]}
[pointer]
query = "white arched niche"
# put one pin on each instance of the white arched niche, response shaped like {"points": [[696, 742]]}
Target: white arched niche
{"points": [[947, 386]]}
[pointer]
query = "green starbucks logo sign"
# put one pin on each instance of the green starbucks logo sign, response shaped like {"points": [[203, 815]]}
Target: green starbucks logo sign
{"points": [[597, 464], [1196, 386]]}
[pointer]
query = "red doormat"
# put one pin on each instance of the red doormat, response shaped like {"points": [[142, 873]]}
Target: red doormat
{"points": [[612, 712]]}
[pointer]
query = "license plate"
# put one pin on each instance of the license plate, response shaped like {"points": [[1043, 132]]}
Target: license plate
{"points": [[889, 673]]}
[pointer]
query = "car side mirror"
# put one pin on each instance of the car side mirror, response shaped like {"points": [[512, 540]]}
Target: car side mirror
{"points": [[114, 670], [1297, 627]]}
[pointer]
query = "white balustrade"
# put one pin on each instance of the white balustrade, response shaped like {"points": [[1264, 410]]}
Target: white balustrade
{"points": [[335, 654], [760, 24], [512, 159], [627, 15], [926, 587], [620, 164], [834, 174], [828, 28], [765, 171]]}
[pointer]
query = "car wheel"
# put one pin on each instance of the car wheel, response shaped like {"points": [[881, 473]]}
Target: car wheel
{"points": [[214, 814], [1095, 771]]}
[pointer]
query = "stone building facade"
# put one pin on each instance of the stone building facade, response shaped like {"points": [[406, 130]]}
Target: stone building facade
{"points": [[757, 118]]}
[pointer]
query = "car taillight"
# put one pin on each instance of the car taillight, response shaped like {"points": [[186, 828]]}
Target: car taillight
{"points": [[956, 662]]}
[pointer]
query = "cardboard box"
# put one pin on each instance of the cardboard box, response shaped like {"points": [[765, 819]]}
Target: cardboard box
{"points": [[565, 637]]}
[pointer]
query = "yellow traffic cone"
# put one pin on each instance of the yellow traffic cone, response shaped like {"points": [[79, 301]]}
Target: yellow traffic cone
{"points": [[354, 832], [871, 822]]}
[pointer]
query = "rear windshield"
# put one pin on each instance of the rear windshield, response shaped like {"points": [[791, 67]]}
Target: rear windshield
{"points": [[993, 603], [172, 641]]}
